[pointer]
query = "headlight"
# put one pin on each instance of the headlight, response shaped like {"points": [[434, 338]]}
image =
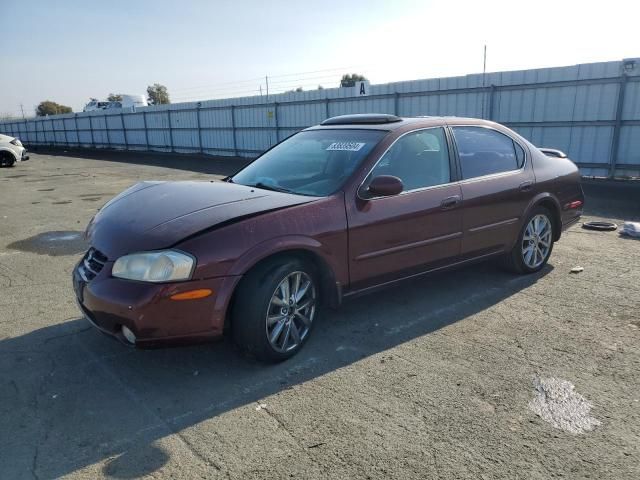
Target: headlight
{"points": [[161, 266], [16, 142]]}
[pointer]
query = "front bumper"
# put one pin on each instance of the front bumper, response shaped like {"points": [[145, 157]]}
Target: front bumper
{"points": [[145, 308], [25, 155]]}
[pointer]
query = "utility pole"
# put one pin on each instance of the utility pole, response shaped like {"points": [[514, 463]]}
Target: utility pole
{"points": [[484, 73], [266, 79], [22, 108], [484, 64]]}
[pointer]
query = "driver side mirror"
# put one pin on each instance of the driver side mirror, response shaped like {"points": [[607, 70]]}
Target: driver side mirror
{"points": [[385, 186]]}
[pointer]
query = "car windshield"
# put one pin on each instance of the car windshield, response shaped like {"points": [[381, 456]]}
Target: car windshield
{"points": [[313, 162]]}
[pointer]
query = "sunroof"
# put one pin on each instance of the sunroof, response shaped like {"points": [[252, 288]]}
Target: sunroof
{"points": [[362, 119]]}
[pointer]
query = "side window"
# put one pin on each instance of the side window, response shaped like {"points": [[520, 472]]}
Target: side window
{"points": [[420, 159], [519, 154], [484, 151]]}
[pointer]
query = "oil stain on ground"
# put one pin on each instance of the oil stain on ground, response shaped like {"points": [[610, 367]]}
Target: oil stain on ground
{"points": [[55, 243]]}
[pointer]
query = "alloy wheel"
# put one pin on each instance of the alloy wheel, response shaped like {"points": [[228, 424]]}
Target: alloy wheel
{"points": [[536, 241], [291, 312]]}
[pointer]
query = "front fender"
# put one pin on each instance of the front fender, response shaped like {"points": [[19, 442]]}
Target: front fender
{"points": [[277, 245]]}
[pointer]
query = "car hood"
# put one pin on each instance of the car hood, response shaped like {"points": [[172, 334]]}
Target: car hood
{"points": [[155, 215]]}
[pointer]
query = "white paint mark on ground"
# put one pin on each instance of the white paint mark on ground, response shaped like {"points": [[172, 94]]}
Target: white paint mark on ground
{"points": [[557, 403]]}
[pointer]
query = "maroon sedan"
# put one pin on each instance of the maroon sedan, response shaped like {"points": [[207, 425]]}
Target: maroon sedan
{"points": [[353, 204]]}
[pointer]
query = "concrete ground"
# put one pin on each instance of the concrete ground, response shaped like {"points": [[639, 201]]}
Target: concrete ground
{"points": [[429, 380]]}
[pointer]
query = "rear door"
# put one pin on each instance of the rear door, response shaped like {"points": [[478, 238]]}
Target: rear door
{"points": [[497, 185], [390, 237]]}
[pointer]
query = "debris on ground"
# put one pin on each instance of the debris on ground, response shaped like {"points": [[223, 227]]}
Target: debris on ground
{"points": [[576, 269], [600, 226], [632, 229], [261, 406], [558, 403]]}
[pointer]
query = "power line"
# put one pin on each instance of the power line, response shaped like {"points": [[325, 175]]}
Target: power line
{"points": [[235, 82], [303, 79], [206, 96], [316, 71]]}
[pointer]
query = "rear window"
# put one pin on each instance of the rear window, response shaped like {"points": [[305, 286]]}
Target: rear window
{"points": [[314, 162]]}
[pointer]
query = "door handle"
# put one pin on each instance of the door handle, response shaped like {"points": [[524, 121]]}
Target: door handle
{"points": [[450, 202], [526, 186]]}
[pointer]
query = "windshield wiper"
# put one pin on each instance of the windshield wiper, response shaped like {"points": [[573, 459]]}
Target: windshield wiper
{"points": [[273, 188]]}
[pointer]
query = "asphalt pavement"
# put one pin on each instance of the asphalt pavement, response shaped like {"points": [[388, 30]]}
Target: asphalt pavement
{"points": [[463, 374]]}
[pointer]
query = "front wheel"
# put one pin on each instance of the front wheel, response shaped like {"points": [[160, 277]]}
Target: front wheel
{"points": [[275, 309], [535, 243]]}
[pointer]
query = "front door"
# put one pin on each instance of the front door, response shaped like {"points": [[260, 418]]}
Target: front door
{"points": [[394, 236]]}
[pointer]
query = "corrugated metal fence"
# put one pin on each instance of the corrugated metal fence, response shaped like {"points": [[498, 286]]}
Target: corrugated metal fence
{"points": [[591, 111]]}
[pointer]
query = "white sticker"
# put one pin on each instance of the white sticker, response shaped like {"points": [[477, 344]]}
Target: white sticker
{"points": [[346, 146]]}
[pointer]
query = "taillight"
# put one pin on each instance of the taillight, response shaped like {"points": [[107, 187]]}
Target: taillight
{"points": [[572, 205]]}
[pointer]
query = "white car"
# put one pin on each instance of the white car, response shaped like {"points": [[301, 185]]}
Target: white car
{"points": [[11, 151]]}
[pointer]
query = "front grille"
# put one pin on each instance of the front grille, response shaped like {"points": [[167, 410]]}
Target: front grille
{"points": [[91, 265]]}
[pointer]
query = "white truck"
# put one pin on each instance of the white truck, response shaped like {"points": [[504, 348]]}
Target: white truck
{"points": [[129, 101]]}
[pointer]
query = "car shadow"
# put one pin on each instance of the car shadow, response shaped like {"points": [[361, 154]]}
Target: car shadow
{"points": [[200, 163], [72, 397]]}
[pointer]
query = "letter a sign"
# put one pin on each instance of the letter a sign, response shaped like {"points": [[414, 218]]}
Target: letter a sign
{"points": [[362, 88]]}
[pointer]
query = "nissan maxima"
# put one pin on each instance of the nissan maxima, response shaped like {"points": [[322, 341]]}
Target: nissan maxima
{"points": [[346, 207]]}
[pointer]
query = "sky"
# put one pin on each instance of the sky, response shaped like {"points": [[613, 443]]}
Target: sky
{"points": [[68, 51]]}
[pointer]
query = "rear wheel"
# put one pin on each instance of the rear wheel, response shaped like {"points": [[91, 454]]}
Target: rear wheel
{"points": [[535, 243], [275, 309], [6, 159]]}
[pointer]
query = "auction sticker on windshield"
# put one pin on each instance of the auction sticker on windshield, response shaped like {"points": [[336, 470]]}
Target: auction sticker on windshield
{"points": [[346, 146]]}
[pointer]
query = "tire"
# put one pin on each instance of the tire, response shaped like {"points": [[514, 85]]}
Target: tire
{"points": [[531, 252], [258, 310], [7, 160]]}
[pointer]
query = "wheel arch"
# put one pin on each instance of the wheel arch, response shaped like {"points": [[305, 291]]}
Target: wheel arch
{"points": [[330, 288], [549, 202], [10, 152]]}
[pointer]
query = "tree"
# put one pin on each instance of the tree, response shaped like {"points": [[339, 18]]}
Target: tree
{"points": [[158, 94], [320, 87], [114, 97], [51, 108], [350, 80]]}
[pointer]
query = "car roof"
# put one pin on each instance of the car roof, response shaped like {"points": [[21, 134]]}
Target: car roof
{"points": [[391, 122]]}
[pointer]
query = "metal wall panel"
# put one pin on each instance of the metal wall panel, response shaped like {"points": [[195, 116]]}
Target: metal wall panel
{"points": [[631, 108], [629, 150], [222, 139], [591, 111]]}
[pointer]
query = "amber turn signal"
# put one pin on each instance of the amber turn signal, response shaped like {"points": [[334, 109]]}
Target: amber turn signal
{"points": [[192, 294]]}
